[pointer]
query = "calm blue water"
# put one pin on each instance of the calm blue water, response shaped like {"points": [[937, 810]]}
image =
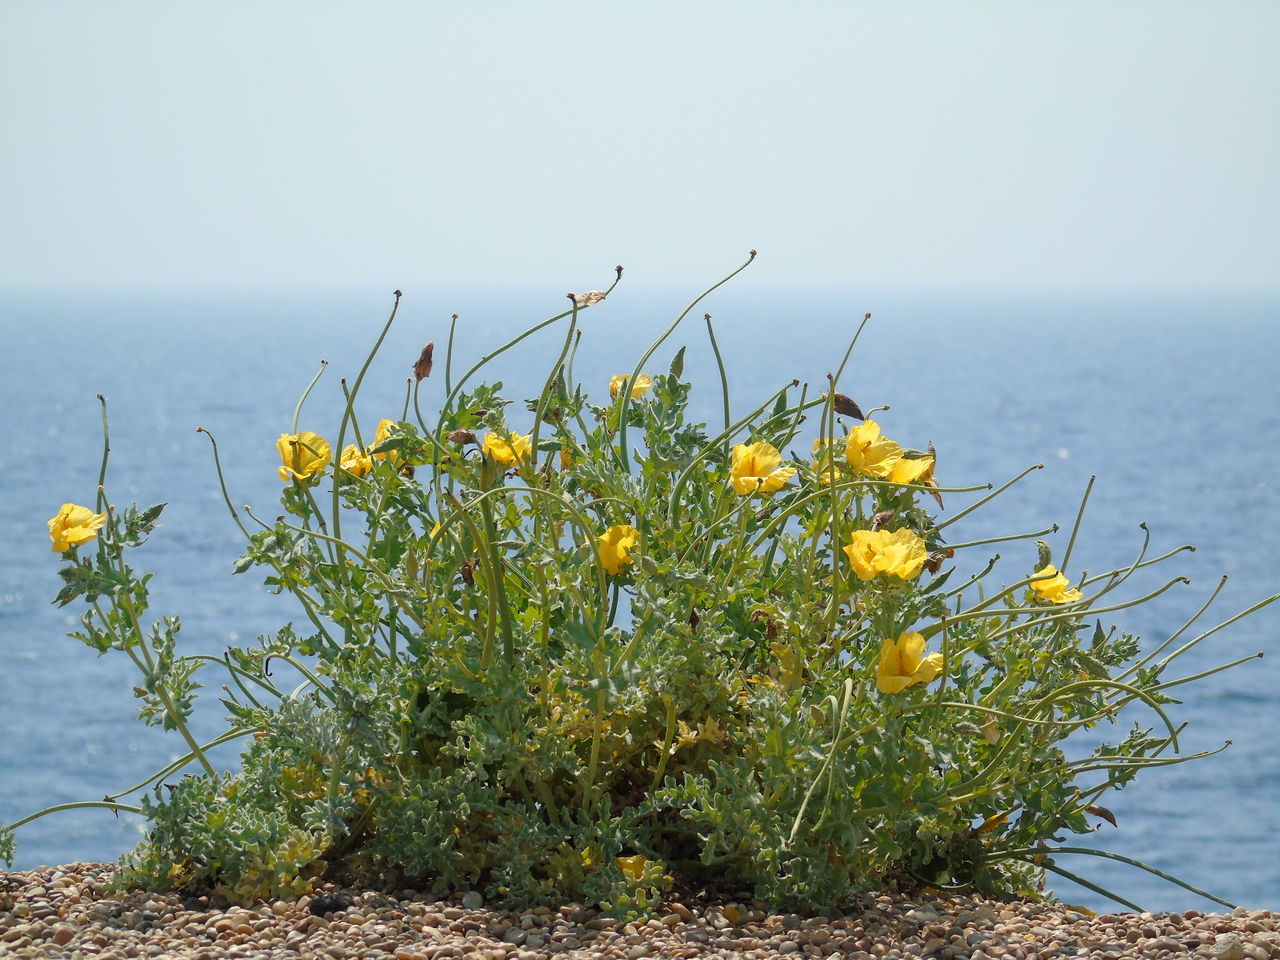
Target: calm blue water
{"points": [[1172, 404]]}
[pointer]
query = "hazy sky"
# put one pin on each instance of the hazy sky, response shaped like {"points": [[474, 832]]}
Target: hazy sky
{"points": [[1025, 145]]}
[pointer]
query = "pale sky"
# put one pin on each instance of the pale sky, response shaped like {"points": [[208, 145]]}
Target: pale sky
{"points": [[1029, 146]]}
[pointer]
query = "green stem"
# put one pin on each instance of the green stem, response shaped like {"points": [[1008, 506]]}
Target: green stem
{"points": [[1075, 530], [623, 459]]}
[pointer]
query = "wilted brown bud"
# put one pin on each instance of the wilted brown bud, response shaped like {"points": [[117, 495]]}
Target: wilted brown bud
{"points": [[846, 407], [931, 482], [468, 573], [934, 562], [588, 298], [882, 519], [422, 369], [460, 437], [407, 471], [694, 619]]}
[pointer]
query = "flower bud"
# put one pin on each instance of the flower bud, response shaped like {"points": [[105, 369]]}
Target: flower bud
{"points": [[460, 437]]}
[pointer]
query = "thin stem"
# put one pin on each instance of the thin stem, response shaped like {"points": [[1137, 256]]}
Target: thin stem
{"points": [[297, 411], [222, 483], [623, 459], [987, 499], [724, 379], [1075, 530]]}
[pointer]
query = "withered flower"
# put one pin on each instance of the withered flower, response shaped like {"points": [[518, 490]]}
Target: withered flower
{"points": [[460, 437], [846, 407], [422, 369]]}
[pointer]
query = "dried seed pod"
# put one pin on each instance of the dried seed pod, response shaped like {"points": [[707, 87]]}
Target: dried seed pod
{"points": [[882, 519], [422, 369], [846, 407], [460, 437]]}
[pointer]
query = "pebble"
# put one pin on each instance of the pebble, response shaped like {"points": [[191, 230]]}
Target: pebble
{"points": [[69, 914]]}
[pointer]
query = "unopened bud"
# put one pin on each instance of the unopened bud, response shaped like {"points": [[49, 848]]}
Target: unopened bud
{"points": [[882, 519], [422, 369]]}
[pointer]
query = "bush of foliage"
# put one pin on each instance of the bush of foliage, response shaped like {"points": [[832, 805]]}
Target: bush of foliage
{"points": [[583, 648]]}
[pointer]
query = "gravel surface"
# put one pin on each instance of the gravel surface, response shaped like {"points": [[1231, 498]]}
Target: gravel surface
{"points": [[66, 912]]}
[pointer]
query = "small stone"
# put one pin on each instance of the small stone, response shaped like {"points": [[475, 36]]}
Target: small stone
{"points": [[788, 946], [1227, 947], [672, 919], [453, 913], [683, 912], [1166, 943], [62, 935], [472, 900], [638, 951], [515, 936]]}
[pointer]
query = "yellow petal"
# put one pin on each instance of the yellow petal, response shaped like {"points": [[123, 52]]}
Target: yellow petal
{"points": [[73, 525]]}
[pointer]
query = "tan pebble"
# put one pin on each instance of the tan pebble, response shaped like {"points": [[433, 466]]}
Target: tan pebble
{"points": [[672, 919], [404, 954], [62, 935], [683, 912]]}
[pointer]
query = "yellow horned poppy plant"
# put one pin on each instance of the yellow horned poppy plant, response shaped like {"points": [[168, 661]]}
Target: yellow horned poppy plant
{"points": [[642, 385], [870, 453], [614, 547], [1054, 589], [507, 454], [898, 554], [757, 468], [73, 525], [901, 664], [303, 454]]}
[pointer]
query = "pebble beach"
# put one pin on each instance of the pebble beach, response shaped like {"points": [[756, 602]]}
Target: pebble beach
{"points": [[68, 913]]}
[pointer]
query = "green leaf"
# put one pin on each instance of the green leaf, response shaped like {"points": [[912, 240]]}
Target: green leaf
{"points": [[677, 364]]}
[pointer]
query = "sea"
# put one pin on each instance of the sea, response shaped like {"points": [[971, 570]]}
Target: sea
{"points": [[1170, 401]]}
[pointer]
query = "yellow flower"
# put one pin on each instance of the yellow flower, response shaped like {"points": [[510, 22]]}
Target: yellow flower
{"points": [[899, 554], [507, 454], [386, 430], [356, 461], [757, 469], [869, 453], [74, 525], [304, 455], [1054, 589], [614, 547], [912, 471], [901, 664], [642, 385]]}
